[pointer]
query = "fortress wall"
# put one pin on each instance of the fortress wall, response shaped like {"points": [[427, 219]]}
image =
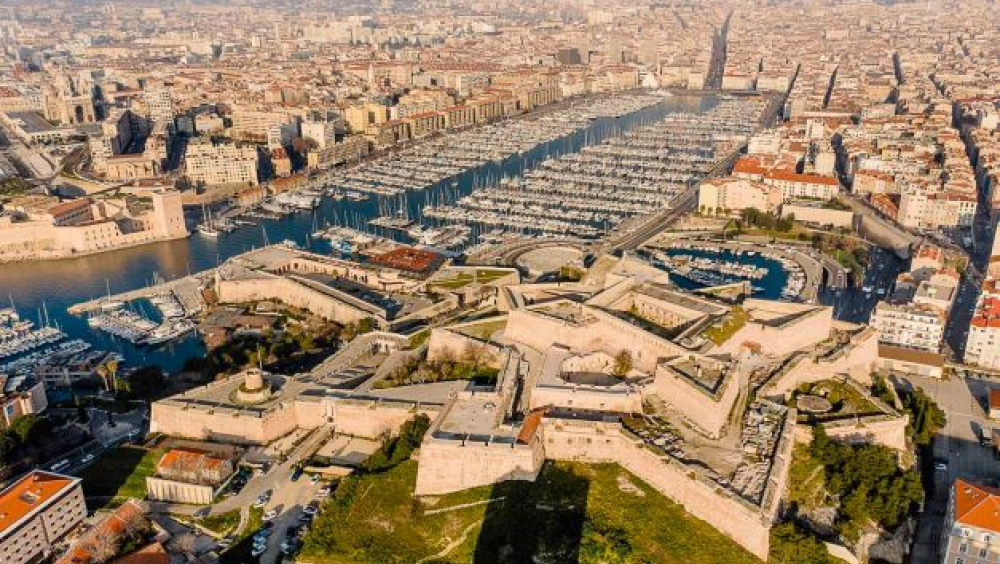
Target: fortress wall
{"points": [[444, 342], [584, 398], [695, 404], [225, 425], [449, 465], [858, 362], [602, 443], [801, 334], [605, 333], [291, 293]]}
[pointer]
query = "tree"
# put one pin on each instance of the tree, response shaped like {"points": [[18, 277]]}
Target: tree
{"points": [[146, 383], [103, 546], [108, 370], [475, 354], [186, 543], [623, 364], [790, 544], [29, 429], [7, 448]]}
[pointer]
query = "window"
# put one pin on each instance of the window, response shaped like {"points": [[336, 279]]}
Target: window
{"points": [[959, 561]]}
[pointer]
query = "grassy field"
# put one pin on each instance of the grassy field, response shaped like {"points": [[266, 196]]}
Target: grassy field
{"points": [[574, 513], [119, 474], [806, 479], [222, 523], [483, 276], [719, 333]]}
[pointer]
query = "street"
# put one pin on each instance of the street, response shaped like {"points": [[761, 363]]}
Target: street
{"points": [[964, 401]]}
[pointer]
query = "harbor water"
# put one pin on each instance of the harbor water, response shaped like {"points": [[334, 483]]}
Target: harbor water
{"points": [[46, 289]]}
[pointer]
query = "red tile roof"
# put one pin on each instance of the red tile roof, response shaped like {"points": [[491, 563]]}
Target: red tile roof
{"points": [[977, 506], [30, 493]]}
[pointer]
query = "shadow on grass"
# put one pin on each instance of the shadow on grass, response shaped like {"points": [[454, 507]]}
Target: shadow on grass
{"points": [[525, 520], [103, 479]]}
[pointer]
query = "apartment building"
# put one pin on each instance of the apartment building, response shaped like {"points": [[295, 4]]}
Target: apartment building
{"points": [[922, 210], [159, 104], [726, 195], [36, 512], [220, 163], [794, 185], [910, 325], [971, 532], [20, 395]]}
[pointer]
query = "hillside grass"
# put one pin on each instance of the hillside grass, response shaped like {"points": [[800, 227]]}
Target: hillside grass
{"points": [[117, 475], [572, 513]]}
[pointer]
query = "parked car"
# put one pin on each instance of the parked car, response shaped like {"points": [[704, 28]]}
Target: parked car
{"points": [[202, 513], [262, 499], [296, 473], [270, 515]]}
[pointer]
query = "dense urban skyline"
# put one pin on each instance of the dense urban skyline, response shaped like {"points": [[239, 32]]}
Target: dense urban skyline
{"points": [[499, 282]]}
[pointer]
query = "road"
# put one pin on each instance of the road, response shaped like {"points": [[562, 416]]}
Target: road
{"points": [[963, 399]]}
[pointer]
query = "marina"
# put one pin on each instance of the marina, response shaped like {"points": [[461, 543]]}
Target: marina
{"points": [[587, 193], [64, 283], [771, 273]]}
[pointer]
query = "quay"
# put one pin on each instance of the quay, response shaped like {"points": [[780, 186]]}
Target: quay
{"points": [[187, 290]]}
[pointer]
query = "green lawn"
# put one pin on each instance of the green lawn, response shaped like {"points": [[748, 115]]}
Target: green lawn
{"points": [[222, 523], [720, 332], [483, 276], [119, 474], [573, 513]]}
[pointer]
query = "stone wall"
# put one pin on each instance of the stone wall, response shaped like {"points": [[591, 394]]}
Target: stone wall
{"points": [[604, 333], [453, 464], [586, 397], [222, 424], [856, 360], [445, 342], [699, 406], [597, 442], [159, 489], [360, 417], [292, 293], [801, 333]]}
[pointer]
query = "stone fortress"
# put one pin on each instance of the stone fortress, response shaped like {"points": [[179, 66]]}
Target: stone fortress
{"points": [[687, 391]]}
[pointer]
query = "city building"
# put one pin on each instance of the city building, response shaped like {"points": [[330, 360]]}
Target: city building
{"points": [[971, 531], [37, 512], [210, 163], [19, 396]]}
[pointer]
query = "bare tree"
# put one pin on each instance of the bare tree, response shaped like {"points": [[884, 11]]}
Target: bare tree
{"points": [[134, 523], [103, 546], [474, 353], [186, 543]]}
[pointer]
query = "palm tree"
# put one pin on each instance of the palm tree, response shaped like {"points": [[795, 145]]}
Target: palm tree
{"points": [[108, 370]]}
